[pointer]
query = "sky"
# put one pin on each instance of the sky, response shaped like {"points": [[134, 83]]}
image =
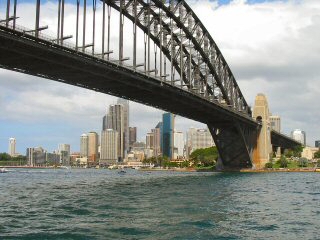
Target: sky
{"points": [[272, 47]]}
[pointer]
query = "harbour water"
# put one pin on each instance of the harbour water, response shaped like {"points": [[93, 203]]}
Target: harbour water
{"points": [[102, 204]]}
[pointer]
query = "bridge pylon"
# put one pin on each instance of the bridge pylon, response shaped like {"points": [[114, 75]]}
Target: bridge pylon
{"points": [[235, 143], [263, 148]]}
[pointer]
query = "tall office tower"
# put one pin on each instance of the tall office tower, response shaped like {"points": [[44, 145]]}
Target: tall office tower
{"points": [[132, 136], [93, 143], [109, 147], [84, 145], [160, 127], [115, 121], [299, 136], [156, 141], [12, 147], [275, 123], [149, 140], [167, 134], [178, 144], [317, 143], [64, 152], [125, 104], [198, 138], [104, 122]]}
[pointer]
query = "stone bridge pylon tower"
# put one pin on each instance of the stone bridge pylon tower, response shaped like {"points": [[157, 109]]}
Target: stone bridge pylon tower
{"points": [[263, 148]]}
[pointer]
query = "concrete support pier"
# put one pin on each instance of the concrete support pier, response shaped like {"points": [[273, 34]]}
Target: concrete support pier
{"points": [[264, 148]]}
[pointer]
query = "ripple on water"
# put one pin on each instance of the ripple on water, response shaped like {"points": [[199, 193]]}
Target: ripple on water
{"points": [[92, 204]]}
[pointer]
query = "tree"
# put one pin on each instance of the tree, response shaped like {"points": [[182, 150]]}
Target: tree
{"points": [[317, 154], [5, 157], [303, 162], [205, 156], [297, 151], [288, 153], [283, 162], [269, 165]]}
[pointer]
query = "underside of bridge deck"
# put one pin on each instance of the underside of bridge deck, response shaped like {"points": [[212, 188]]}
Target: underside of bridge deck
{"points": [[232, 131]]}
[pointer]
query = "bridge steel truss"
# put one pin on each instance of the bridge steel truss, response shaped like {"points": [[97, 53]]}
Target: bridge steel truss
{"points": [[205, 91]]}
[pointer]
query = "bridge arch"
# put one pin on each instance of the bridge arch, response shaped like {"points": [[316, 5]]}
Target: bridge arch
{"points": [[182, 38]]}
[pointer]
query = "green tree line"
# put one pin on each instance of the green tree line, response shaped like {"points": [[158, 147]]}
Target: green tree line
{"points": [[5, 157]]}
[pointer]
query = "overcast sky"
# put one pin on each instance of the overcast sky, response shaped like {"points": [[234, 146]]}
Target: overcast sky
{"points": [[272, 47]]}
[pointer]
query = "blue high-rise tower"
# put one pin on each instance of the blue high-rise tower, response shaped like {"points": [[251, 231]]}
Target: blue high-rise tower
{"points": [[167, 134]]}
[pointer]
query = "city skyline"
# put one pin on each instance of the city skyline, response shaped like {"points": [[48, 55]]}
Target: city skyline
{"points": [[38, 111]]}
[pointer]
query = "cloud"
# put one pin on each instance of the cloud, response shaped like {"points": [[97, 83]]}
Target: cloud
{"points": [[271, 47]]}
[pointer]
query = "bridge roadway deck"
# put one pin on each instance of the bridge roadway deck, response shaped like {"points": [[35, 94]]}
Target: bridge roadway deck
{"points": [[283, 141], [27, 54]]}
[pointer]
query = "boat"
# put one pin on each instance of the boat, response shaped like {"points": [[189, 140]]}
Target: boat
{"points": [[3, 170], [122, 171]]}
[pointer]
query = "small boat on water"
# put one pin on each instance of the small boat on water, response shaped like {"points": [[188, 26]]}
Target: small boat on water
{"points": [[3, 170], [122, 171]]}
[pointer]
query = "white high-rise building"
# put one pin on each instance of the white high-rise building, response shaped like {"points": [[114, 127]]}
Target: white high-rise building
{"points": [[84, 145], [109, 147], [299, 136], [178, 142], [115, 121], [12, 147], [64, 151], [198, 138], [275, 123]]}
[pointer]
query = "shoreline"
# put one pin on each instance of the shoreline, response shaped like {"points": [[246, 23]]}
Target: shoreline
{"points": [[188, 169]]}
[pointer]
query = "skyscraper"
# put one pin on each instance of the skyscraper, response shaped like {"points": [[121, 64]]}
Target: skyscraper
{"points": [[167, 134], [317, 143], [125, 104], [132, 136], [115, 121], [109, 147], [12, 147], [150, 140], [275, 123], [84, 145], [299, 136], [64, 151], [178, 144], [93, 143], [156, 141]]}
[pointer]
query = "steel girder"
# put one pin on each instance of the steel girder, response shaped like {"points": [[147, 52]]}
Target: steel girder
{"points": [[181, 36]]}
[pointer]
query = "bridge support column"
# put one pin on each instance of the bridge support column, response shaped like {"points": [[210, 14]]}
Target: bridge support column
{"points": [[235, 143], [264, 148]]}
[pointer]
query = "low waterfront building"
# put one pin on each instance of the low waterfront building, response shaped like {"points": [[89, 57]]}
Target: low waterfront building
{"points": [[308, 152], [38, 157], [198, 138]]}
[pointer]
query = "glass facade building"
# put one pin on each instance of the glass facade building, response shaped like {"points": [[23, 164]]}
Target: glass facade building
{"points": [[167, 134]]}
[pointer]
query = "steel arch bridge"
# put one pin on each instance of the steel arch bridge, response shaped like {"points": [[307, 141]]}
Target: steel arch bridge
{"points": [[174, 63]]}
